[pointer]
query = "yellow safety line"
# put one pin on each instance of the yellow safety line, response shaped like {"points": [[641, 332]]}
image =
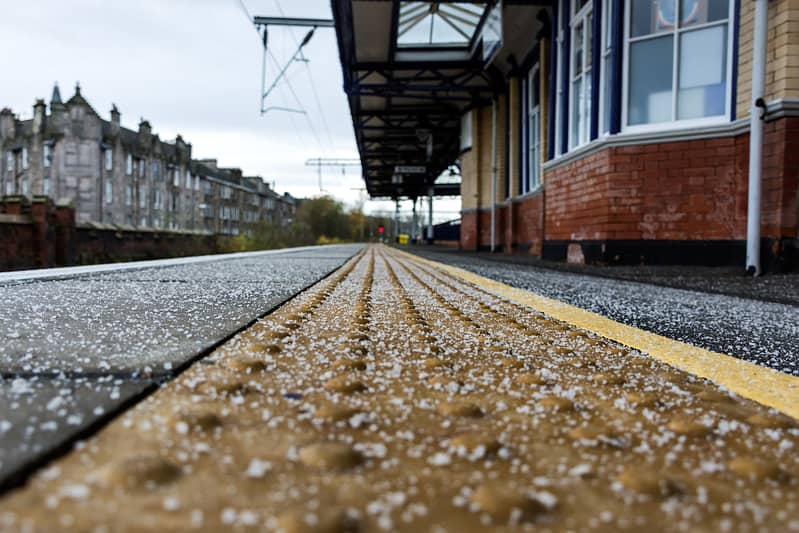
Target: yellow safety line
{"points": [[758, 383]]}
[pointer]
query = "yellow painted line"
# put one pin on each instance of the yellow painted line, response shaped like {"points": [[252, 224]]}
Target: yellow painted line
{"points": [[758, 383]]}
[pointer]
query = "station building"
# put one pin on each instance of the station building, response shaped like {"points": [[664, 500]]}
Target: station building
{"points": [[609, 131], [116, 176]]}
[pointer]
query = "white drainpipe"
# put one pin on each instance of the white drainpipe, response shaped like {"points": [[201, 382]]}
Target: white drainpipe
{"points": [[756, 138], [493, 175]]}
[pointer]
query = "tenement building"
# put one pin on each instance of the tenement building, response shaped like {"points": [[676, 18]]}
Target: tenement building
{"points": [[586, 130], [114, 175]]}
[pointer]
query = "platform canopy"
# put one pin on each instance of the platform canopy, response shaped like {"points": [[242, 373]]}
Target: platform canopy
{"points": [[411, 71]]}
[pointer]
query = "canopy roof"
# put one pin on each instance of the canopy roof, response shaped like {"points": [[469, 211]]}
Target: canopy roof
{"points": [[411, 70]]}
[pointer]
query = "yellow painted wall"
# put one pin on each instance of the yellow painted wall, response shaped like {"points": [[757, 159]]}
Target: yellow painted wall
{"points": [[514, 101], [469, 165], [782, 67]]}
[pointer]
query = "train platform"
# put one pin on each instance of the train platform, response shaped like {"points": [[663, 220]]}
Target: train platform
{"points": [[401, 394]]}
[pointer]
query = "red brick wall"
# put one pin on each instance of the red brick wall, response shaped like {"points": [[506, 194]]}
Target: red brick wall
{"points": [[469, 230], [686, 190], [528, 223], [40, 235], [16, 237], [781, 178]]}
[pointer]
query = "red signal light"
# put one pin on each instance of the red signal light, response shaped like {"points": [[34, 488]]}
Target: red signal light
{"points": [[381, 229]]}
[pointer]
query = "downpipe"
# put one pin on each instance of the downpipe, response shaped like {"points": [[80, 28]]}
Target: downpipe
{"points": [[493, 175], [757, 116]]}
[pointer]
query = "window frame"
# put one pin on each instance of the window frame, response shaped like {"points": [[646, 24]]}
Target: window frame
{"points": [[606, 45], [129, 165], [675, 123], [108, 190], [528, 184], [47, 155], [585, 16]]}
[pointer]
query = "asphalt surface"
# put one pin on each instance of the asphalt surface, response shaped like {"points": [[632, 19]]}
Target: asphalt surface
{"points": [[75, 349], [732, 281], [762, 332]]}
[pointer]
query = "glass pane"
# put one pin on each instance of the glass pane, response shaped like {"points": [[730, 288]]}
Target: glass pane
{"points": [[651, 16], [650, 79], [577, 107], [589, 39], [580, 4], [702, 11], [585, 119], [577, 46], [703, 73], [607, 89]]}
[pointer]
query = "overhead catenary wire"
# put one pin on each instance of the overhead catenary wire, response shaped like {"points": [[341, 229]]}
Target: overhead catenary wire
{"points": [[247, 14], [314, 91]]}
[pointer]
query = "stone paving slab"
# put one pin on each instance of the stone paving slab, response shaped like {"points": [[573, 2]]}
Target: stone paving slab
{"points": [[61, 339], [396, 396]]}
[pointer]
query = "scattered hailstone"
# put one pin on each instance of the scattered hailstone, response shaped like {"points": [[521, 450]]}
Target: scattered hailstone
{"points": [[171, 503], [258, 468], [440, 459], [5, 425], [182, 428], [75, 491]]}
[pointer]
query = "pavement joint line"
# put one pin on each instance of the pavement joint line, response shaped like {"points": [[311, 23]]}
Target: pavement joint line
{"points": [[761, 384]]}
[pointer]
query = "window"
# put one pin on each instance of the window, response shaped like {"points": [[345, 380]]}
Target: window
{"points": [[25, 185], [10, 161], [581, 55], [47, 155], [25, 163], [688, 43], [196, 183], [10, 187], [605, 67], [46, 186], [142, 197], [158, 202], [155, 170], [142, 167], [109, 191], [129, 195], [466, 131], [143, 221], [176, 177], [531, 171], [109, 159], [129, 165], [188, 179]]}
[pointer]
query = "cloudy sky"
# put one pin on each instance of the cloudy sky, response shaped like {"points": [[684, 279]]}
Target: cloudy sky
{"points": [[193, 67]]}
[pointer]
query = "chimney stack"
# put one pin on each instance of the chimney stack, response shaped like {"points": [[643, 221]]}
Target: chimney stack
{"points": [[7, 124], [115, 116], [38, 117]]}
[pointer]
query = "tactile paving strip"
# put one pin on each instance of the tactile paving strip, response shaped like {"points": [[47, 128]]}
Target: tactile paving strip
{"points": [[396, 397]]}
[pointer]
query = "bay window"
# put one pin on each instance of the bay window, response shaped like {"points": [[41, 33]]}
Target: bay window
{"points": [[581, 57], [677, 61]]}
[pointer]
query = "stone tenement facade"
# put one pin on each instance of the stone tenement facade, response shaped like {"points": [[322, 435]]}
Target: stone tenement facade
{"points": [[116, 176]]}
